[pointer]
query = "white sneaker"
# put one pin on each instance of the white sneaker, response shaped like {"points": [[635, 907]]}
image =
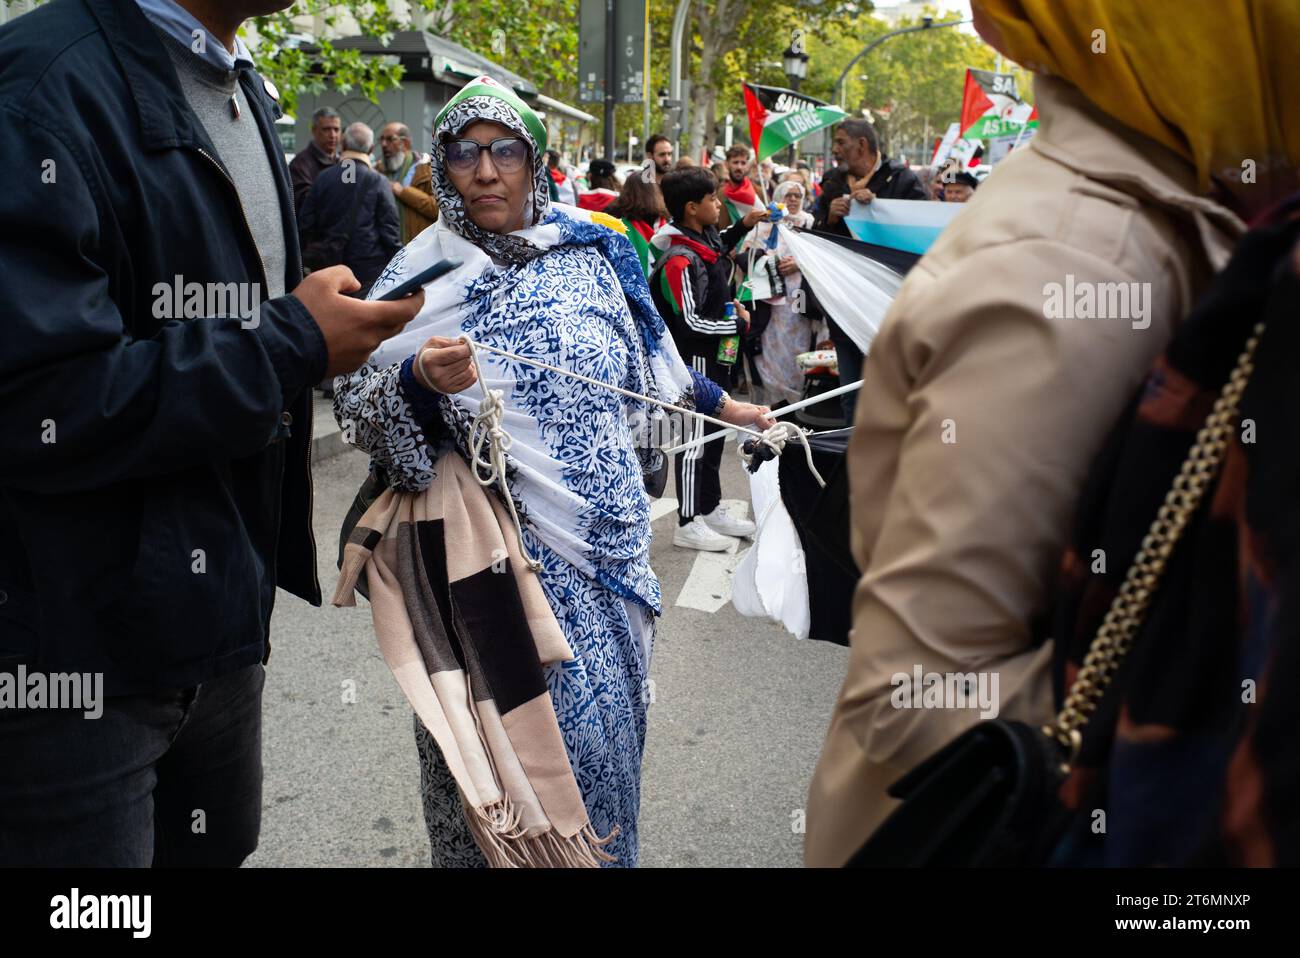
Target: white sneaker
{"points": [[723, 522], [696, 535]]}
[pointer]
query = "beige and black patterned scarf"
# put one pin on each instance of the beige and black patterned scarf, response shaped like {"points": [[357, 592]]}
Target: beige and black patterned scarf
{"points": [[466, 630]]}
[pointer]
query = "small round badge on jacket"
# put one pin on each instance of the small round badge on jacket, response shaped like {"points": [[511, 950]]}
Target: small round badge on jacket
{"points": [[271, 91]]}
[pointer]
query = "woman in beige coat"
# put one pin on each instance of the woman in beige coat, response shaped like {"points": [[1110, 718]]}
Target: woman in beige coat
{"points": [[993, 381]]}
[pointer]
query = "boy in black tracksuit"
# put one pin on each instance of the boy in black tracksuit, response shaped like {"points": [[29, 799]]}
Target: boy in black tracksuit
{"points": [[691, 285]]}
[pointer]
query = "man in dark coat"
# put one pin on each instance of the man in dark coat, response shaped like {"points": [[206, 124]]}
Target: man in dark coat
{"points": [[353, 201], [155, 471], [318, 156]]}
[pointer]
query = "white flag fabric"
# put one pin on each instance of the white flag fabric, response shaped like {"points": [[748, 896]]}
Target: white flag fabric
{"points": [[771, 581], [854, 291]]}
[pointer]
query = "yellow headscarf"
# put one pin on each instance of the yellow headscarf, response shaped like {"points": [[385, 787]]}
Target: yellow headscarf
{"points": [[1214, 80]]}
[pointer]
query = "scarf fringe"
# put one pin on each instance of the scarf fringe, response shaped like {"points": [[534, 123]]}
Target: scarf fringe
{"points": [[504, 844]]}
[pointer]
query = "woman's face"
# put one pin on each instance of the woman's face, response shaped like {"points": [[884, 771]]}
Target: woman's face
{"points": [[495, 199], [793, 201]]}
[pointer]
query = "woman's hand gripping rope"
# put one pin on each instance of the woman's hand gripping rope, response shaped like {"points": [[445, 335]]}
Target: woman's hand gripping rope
{"points": [[450, 365]]}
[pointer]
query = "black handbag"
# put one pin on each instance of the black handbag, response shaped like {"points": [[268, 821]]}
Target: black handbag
{"points": [[989, 798]]}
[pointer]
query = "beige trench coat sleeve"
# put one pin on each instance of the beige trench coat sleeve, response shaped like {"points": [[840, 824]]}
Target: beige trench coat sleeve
{"points": [[975, 425]]}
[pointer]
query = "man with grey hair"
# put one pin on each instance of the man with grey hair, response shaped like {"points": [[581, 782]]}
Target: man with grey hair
{"points": [[359, 138], [862, 173], [349, 216], [410, 177], [321, 153]]}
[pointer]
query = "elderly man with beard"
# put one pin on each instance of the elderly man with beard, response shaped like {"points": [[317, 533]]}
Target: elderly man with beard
{"points": [[409, 176]]}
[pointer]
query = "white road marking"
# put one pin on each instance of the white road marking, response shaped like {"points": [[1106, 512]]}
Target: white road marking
{"points": [[736, 507], [661, 507], [708, 587]]}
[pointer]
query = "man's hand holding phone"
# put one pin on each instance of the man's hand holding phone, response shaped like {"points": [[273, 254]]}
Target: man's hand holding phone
{"points": [[352, 328]]}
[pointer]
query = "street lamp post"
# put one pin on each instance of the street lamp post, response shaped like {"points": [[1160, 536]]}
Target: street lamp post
{"points": [[795, 63], [677, 88]]}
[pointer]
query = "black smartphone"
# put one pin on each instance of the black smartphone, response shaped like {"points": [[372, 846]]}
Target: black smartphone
{"points": [[420, 280]]}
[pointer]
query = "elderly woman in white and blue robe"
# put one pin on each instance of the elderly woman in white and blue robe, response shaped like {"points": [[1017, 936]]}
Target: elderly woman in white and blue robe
{"points": [[553, 284]]}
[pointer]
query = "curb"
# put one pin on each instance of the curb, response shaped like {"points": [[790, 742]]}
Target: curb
{"points": [[328, 446], [327, 439]]}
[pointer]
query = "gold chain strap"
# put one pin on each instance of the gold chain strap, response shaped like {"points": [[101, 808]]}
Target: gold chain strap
{"points": [[1128, 610]]}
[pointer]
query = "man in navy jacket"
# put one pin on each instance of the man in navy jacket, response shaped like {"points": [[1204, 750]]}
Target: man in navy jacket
{"points": [[155, 427]]}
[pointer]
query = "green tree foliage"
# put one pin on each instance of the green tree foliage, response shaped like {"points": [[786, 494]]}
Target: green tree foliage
{"points": [[913, 90], [280, 56], [915, 81], [738, 40], [913, 85], [538, 39]]}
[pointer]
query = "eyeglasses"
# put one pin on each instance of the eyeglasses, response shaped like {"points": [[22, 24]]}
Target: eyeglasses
{"points": [[509, 153]]}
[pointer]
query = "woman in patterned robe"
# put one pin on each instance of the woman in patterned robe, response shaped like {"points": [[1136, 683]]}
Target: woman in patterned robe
{"points": [[550, 283]]}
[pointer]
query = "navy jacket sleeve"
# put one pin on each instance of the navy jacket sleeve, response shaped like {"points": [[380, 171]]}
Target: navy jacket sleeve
{"points": [[86, 403], [300, 177], [386, 221], [708, 394], [833, 186], [307, 211]]}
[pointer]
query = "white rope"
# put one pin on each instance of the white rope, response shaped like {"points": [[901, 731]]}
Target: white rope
{"points": [[489, 441], [774, 414], [603, 385], [775, 439], [486, 434]]}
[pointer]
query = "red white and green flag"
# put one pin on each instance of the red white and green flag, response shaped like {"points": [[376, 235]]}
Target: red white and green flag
{"points": [[991, 106], [639, 234], [739, 199], [778, 118]]}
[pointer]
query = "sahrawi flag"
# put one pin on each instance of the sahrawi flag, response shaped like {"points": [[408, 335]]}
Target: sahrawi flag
{"points": [[779, 117], [991, 106], [909, 226]]}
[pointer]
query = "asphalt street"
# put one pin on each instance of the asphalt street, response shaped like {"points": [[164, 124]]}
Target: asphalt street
{"points": [[739, 713]]}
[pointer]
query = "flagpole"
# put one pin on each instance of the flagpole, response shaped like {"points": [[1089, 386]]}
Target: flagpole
{"points": [[1019, 136], [774, 414]]}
